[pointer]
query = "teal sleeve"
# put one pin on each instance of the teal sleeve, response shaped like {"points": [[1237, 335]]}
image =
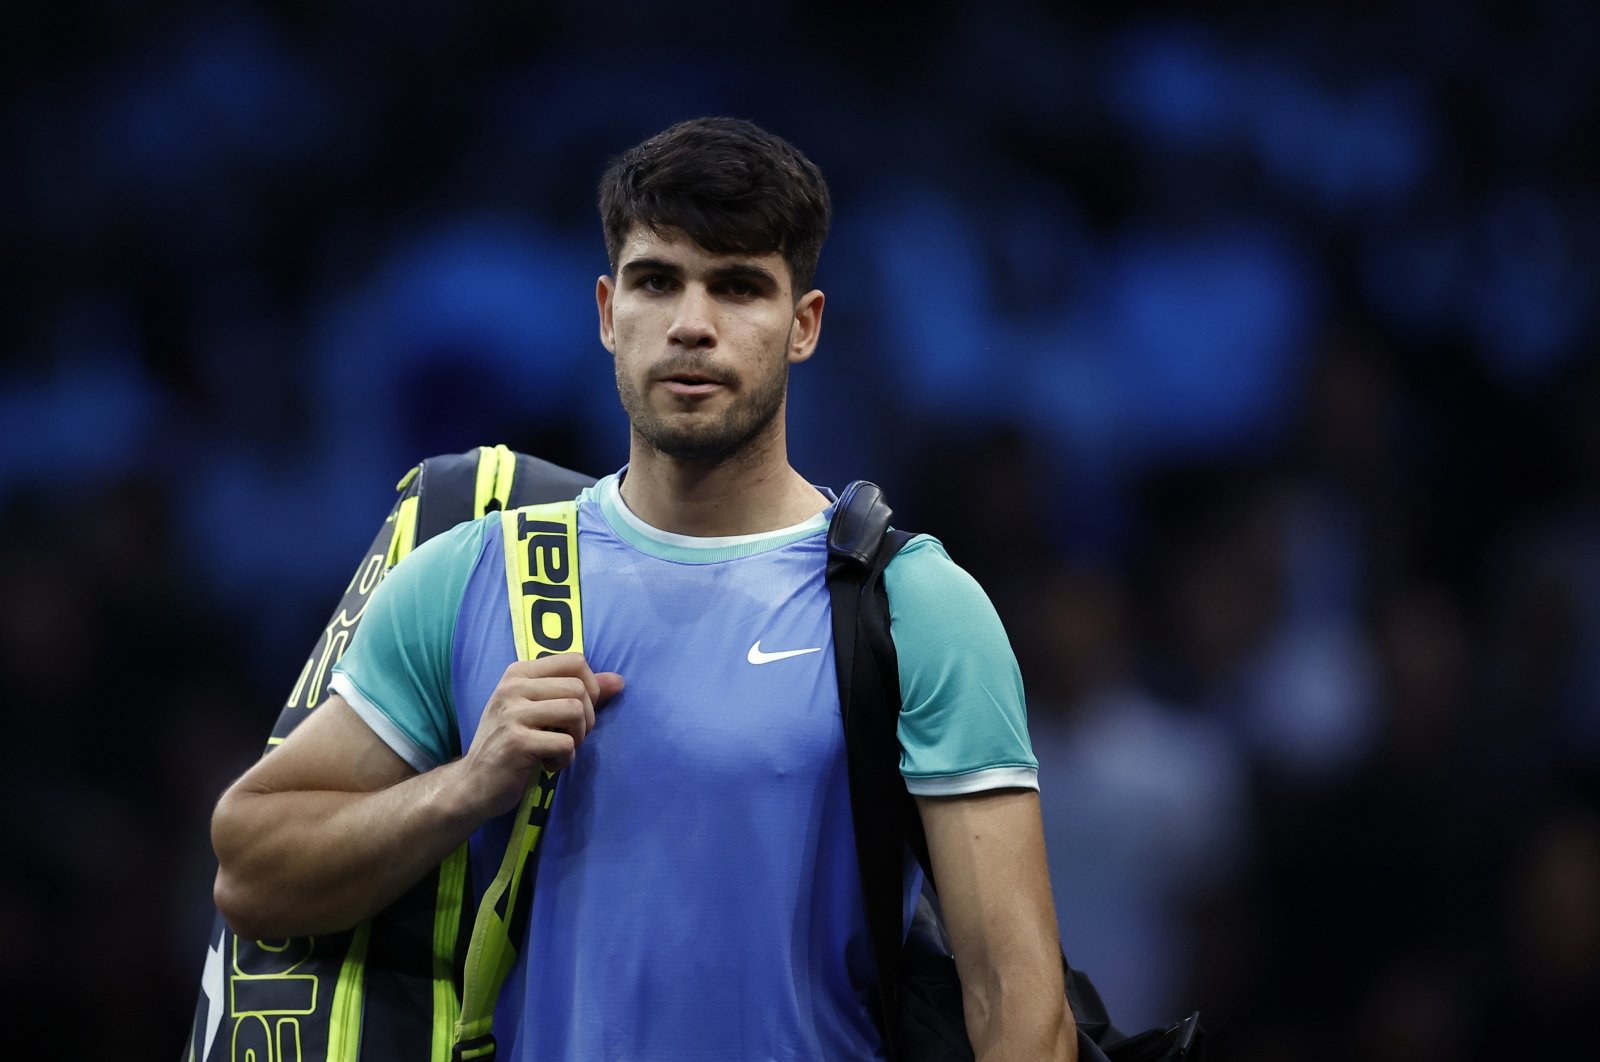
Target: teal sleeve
{"points": [[397, 673], [963, 721]]}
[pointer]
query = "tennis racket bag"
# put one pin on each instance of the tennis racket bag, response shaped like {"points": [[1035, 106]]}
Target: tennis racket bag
{"points": [[388, 990]]}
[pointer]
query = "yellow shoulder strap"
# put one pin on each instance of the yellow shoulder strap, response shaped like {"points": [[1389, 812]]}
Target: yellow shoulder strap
{"points": [[541, 543], [497, 466]]}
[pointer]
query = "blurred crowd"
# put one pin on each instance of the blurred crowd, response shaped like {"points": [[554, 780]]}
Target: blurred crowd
{"points": [[1247, 359]]}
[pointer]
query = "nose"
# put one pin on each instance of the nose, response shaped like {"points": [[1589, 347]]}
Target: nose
{"points": [[694, 322]]}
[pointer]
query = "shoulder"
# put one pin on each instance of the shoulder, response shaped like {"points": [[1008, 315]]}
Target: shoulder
{"points": [[436, 571], [459, 545], [924, 558], [417, 603], [396, 673], [963, 724], [929, 592]]}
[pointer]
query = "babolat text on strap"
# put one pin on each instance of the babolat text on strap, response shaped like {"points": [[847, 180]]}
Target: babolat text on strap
{"points": [[541, 544]]}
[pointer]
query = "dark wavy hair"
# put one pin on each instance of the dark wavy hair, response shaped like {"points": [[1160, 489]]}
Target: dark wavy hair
{"points": [[731, 185]]}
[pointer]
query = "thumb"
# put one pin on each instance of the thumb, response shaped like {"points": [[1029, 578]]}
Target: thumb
{"points": [[610, 683]]}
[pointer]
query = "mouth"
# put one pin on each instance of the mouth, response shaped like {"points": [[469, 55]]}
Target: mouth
{"points": [[690, 383]]}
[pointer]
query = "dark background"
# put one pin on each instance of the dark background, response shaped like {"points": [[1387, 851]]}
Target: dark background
{"points": [[1247, 357]]}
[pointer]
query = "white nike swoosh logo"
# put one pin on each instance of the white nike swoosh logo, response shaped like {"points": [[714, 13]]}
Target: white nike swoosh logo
{"points": [[756, 656]]}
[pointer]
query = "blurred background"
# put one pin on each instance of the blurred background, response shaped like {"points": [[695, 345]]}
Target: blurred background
{"points": [[1247, 358]]}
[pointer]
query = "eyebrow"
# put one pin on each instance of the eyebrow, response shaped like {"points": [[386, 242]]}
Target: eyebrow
{"points": [[650, 265], [734, 270], [744, 271]]}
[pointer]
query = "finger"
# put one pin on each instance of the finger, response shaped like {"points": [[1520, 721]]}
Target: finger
{"points": [[588, 713], [554, 750], [535, 747], [564, 715], [607, 685], [519, 687], [571, 665]]}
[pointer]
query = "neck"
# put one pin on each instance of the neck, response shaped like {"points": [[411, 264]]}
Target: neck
{"points": [[746, 493]]}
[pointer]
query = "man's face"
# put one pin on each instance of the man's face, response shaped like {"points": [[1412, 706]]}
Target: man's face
{"points": [[703, 342]]}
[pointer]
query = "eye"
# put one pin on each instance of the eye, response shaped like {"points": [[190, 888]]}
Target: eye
{"points": [[656, 283], [741, 289]]}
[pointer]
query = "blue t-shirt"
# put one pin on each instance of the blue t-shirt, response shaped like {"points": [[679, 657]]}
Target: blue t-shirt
{"points": [[696, 895]]}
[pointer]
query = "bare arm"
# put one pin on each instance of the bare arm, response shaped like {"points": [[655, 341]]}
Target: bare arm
{"points": [[332, 826], [989, 860]]}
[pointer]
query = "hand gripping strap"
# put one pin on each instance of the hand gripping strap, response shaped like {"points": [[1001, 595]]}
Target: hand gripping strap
{"points": [[541, 543]]}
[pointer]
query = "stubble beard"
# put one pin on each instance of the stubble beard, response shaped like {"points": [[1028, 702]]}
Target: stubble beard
{"points": [[706, 440]]}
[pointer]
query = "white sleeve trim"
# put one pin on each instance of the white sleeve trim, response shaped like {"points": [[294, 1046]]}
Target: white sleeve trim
{"points": [[382, 725], [975, 781]]}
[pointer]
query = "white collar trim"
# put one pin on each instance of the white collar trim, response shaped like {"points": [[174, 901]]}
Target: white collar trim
{"points": [[611, 493]]}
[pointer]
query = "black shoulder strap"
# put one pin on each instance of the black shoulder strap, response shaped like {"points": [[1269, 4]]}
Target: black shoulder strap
{"points": [[860, 546]]}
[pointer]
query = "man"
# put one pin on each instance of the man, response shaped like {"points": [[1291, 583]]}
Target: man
{"points": [[697, 893]]}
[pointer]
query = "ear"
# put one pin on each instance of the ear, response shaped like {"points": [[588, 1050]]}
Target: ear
{"points": [[807, 327], [604, 289]]}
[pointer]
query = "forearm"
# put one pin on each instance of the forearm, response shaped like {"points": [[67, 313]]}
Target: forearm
{"points": [[334, 825], [1014, 1014], [297, 863]]}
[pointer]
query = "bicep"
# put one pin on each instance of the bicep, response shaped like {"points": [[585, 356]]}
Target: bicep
{"points": [[988, 858], [333, 750]]}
